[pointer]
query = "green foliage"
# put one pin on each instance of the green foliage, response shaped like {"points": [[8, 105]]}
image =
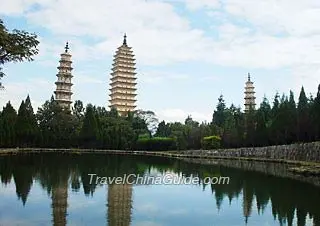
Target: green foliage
{"points": [[155, 144], [219, 114], [211, 142], [163, 130], [303, 117], [150, 119], [315, 115], [89, 134], [16, 46], [26, 125], [144, 136], [57, 126], [95, 127], [8, 120]]}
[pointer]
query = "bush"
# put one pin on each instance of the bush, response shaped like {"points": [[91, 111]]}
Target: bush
{"points": [[155, 144], [144, 136], [211, 142]]}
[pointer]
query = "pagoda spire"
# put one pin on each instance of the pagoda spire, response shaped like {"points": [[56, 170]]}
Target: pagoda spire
{"points": [[123, 80], [66, 48], [125, 39], [249, 77], [63, 84]]}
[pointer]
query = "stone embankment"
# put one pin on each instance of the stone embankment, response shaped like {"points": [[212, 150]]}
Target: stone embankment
{"points": [[305, 156], [270, 168], [307, 152]]}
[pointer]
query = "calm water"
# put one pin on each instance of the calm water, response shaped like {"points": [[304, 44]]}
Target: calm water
{"points": [[54, 189]]}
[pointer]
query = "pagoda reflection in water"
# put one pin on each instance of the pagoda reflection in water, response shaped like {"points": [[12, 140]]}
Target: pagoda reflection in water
{"points": [[119, 204]]}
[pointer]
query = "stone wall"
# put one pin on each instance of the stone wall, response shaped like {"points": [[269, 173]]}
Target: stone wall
{"points": [[309, 152], [269, 168]]}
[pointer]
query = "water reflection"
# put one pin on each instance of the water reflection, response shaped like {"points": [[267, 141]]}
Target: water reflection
{"points": [[251, 198], [119, 204]]}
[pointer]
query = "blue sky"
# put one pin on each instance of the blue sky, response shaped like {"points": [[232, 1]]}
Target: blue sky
{"points": [[188, 52]]}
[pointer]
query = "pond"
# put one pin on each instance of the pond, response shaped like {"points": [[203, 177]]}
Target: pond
{"points": [[85, 189]]}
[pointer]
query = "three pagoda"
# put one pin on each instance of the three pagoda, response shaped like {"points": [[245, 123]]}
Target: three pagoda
{"points": [[123, 82]]}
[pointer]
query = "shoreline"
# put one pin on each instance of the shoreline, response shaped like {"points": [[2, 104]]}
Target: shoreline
{"points": [[303, 168]]}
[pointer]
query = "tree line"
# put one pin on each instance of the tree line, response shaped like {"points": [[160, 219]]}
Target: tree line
{"points": [[282, 122]]}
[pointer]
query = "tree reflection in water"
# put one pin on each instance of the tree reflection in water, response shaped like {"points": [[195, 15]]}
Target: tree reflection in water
{"points": [[57, 172]]}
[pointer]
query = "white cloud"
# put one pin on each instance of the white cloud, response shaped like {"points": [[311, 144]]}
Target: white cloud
{"points": [[156, 77], [106, 18], [290, 16], [294, 17], [250, 34], [197, 4], [161, 36]]}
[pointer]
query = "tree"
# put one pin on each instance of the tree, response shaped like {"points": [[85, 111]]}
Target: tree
{"points": [[292, 119], [230, 133], [315, 115], [219, 114], [163, 130], [26, 125], [57, 126], [263, 118], [303, 117], [250, 127], [178, 133], [89, 131], [16, 46], [150, 118], [8, 120], [78, 109], [192, 133], [274, 131]]}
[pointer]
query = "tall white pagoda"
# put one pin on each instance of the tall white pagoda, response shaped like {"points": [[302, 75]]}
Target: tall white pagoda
{"points": [[123, 80], [249, 95], [63, 85]]}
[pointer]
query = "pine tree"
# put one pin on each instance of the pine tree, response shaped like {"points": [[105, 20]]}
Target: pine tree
{"points": [[250, 127], [26, 125], [230, 133], [303, 117], [163, 130], [292, 119], [219, 114], [274, 132], [263, 118], [9, 117], [315, 115], [89, 131]]}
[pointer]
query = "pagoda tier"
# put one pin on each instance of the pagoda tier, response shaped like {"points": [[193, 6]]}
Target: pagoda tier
{"points": [[124, 63], [121, 104], [249, 95], [118, 99], [63, 84], [123, 80], [122, 77], [124, 67], [123, 83], [123, 86], [123, 73]]}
